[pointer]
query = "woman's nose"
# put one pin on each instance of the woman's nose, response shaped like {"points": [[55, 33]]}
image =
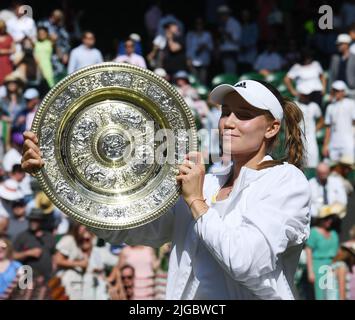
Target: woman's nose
{"points": [[230, 122]]}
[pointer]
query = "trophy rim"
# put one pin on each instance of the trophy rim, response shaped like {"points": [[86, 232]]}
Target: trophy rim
{"points": [[40, 176]]}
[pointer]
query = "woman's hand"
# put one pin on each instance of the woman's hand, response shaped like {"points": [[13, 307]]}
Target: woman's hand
{"points": [[31, 155], [311, 277], [191, 176]]}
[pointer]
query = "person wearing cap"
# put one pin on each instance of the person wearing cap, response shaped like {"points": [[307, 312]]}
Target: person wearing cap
{"points": [[13, 102], [342, 66], [17, 221], [238, 234], [312, 122], [230, 32], [322, 246], [342, 169], [10, 191], [130, 56], [339, 121], [35, 247], [23, 120]]}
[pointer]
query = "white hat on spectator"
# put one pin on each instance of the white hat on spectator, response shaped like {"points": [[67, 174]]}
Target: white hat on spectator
{"points": [[343, 38], [135, 37], [31, 93], [339, 85], [10, 190], [2, 92], [160, 72], [223, 9], [304, 88]]}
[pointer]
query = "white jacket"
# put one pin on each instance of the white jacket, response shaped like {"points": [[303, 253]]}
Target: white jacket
{"points": [[251, 252]]}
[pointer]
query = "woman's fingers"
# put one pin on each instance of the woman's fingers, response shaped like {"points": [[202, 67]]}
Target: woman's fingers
{"points": [[29, 144], [31, 154], [184, 169], [32, 165], [31, 136]]}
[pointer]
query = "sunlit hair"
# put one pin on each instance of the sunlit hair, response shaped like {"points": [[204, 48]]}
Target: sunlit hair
{"points": [[292, 146]]}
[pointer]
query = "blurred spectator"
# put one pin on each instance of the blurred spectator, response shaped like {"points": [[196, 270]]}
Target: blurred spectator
{"points": [[80, 267], [199, 46], [161, 276], [13, 102], [339, 120], [10, 191], [313, 121], [170, 18], [348, 12], [4, 224], [292, 54], [269, 61], [342, 169], [162, 73], [144, 262], [13, 156], [230, 32], [18, 222], [128, 279], [152, 18], [325, 190], [43, 51], [342, 67], [352, 36], [7, 48], [248, 42], [130, 56], [309, 73], [85, 54], [137, 45], [8, 267], [24, 119], [321, 247], [35, 247], [173, 54], [21, 26], [60, 38]]}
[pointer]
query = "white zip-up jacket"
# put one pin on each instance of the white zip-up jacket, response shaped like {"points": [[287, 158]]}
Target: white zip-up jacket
{"points": [[249, 251]]}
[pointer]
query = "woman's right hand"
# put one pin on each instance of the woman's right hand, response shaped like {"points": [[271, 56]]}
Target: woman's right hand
{"points": [[311, 277], [31, 155]]}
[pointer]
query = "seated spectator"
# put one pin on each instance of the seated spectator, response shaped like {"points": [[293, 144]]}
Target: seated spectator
{"points": [[23, 120], [10, 191], [80, 267], [35, 247], [130, 56], [17, 222], [128, 279], [14, 154], [341, 169], [269, 61], [9, 268], [4, 225], [145, 263], [84, 55], [326, 189], [339, 120], [352, 36], [137, 45], [13, 102]]}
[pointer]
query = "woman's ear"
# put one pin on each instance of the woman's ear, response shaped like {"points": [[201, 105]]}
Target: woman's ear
{"points": [[272, 129]]}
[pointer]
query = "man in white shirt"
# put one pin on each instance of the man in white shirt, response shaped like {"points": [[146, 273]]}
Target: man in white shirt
{"points": [[21, 26], [131, 57], [85, 54], [231, 31], [326, 190], [339, 119], [313, 121]]}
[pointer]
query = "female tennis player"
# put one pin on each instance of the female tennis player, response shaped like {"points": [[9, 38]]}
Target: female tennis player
{"points": [[237, 234]]}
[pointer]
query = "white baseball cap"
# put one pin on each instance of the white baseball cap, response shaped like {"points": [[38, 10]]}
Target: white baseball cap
{"points": [[253, 92], [339, 85], [31, 93], [343, 38]]}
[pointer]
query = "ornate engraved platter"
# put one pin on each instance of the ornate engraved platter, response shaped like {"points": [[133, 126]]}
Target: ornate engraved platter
{"points": [[112, 136]]}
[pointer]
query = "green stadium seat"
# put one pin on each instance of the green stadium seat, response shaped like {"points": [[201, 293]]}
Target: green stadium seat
{"points": [[224, 78], [203, 91], [251, 76], [276, 78]]}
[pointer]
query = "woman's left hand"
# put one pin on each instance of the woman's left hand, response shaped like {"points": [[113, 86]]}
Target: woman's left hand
{"points": [[191, 176]]}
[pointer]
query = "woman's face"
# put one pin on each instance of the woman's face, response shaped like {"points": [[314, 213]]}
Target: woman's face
{"points": [[243, 127]]}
